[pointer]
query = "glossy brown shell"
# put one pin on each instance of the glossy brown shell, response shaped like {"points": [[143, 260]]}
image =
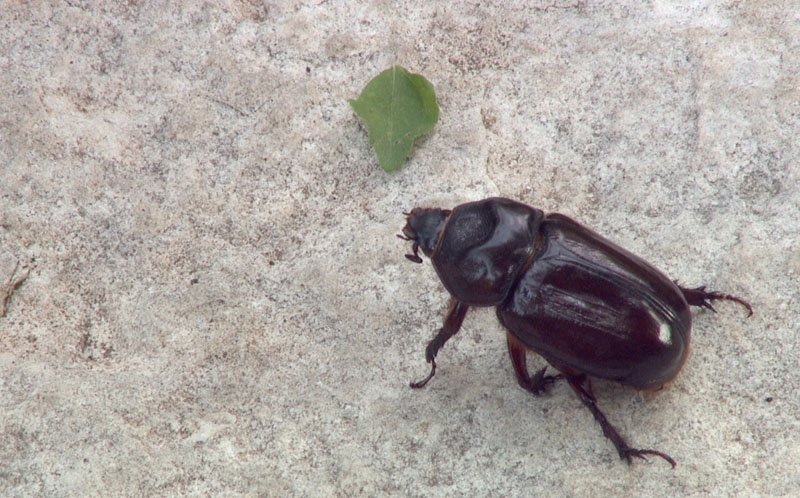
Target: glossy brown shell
{"points": [[589, 305]]}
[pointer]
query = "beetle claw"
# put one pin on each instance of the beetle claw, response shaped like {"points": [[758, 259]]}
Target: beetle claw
{"points": [[421, 383], [699, 296], [707, 304], [626, 454], [538, 384]]}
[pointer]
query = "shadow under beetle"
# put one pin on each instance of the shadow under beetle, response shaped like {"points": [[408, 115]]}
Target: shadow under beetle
{"points": [[586, 305]]}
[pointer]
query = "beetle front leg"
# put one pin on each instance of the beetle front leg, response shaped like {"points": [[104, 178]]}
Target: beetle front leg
{"points": [[452, 324], [699, 296], [582, 386], [538, 384]]}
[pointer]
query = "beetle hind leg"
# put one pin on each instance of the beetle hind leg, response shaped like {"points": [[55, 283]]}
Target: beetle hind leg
{"points": [[582, 386], [699, 296], [538, 384]]}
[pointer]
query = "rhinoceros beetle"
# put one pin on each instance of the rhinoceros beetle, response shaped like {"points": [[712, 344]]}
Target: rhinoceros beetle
{"points": [[587, 306]]}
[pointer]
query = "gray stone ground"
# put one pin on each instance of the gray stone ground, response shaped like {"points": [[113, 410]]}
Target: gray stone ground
{"points": [[217, 304]]}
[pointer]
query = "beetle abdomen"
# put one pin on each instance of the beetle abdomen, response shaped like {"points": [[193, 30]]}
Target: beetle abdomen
{"points": [[588, 304], [483, 247]]}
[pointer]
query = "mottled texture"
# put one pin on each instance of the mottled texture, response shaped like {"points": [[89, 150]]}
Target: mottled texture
{"points": [[218, 304]]}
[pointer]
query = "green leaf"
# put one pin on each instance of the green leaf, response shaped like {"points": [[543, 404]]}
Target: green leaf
{"points": [[397, 107]]}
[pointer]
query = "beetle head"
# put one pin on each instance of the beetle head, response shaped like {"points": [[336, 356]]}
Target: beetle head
{"points": [[423, 226]]}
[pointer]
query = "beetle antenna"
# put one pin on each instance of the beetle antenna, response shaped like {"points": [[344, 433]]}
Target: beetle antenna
{"points": [[414, 257], [411, 257]]}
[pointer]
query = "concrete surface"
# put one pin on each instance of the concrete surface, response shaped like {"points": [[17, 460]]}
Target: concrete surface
{"points": [[217, 304]]}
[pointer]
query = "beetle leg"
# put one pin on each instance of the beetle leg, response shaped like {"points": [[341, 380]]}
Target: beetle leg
{"points": [[452, 324], [699, 296], [582, 386], [538, 384]]}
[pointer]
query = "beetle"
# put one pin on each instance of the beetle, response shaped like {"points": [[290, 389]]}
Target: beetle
{"points": [[586, 305]]}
